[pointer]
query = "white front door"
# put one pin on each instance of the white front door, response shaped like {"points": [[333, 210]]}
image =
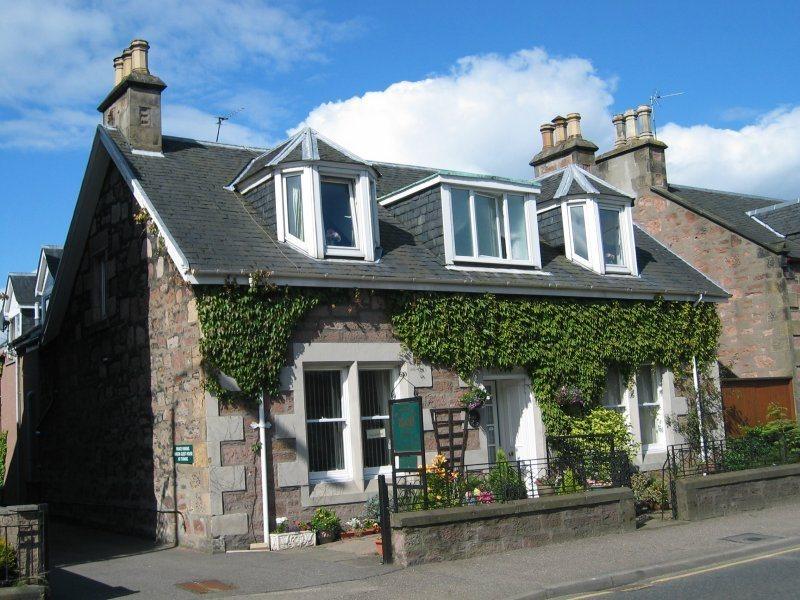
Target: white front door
{"points": [[515, 419]]}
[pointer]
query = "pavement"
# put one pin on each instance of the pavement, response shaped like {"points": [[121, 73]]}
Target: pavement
{"points": [[95, 565]]}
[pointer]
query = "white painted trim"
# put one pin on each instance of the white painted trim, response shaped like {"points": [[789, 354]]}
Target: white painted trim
{"points": [[253, 185], [153, 153], [175, 253], [489, 185], [498, 269]]}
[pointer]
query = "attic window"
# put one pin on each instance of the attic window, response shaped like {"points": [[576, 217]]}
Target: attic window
{"points": [[490, 226], [599, 235], [327, 211]]}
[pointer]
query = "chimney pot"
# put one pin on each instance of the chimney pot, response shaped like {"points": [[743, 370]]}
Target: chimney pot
{"points": [[630, 124], [573, 125], [117, 70], [643, 115], [560, 124], [547, 135], [619, 129], [127, 59], [139, 50]]}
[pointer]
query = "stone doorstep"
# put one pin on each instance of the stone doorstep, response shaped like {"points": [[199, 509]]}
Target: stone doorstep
{"points": [[444, 516]]}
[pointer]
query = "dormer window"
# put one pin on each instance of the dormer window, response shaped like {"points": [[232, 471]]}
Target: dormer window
{"points": [[598, 235], [490, 226], [327, 212]]}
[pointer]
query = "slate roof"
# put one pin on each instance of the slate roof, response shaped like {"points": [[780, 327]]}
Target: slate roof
{"points": [[729, 210], [52, 256], [783, 218], [222, 232], [24, 286], [573, 180]]}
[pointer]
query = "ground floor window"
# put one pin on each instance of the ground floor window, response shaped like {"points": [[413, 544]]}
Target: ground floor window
{"points": [[326, 419], [642, 402], [342, 417]]}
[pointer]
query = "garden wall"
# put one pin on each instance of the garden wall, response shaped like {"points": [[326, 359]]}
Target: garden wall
{"points": [[22, 528], [454, 533], [704, 497]]}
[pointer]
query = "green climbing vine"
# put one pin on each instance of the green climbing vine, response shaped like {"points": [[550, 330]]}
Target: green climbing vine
{"points": [[246, 332], [564, 344]]}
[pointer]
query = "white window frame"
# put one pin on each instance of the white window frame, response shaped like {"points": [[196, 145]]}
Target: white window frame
{"points": [[594, 240], [363, 207], [373, 472], [345, 474], [629, 404], [501, 197]]}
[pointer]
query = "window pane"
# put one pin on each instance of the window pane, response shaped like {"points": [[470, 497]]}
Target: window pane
{"points": [[294, 206], [326, 446], [488, 423], [518, 227], [337, 214], [578, 221], [613, 396], [648, 406], [323, 391], [374, 389], [486, 216], [462, 230], [612, 236]]}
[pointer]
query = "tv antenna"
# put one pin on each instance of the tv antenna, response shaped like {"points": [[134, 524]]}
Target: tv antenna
{"points": [[222, 119], [655, 100]]}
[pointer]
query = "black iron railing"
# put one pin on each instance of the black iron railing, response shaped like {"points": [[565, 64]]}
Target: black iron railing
{"points": [[561, 472]]}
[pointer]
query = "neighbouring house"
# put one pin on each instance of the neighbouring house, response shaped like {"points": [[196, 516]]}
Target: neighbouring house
{"points": [[747, 244], [168, 230], [26, 299]]}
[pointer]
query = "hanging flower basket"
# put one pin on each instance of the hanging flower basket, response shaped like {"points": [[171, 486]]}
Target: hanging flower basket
{"points": [[474, 418]]}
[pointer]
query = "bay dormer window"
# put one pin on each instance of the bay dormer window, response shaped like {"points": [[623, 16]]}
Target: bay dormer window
{"points": [[327, 212], [598, 235], [490, 226]]}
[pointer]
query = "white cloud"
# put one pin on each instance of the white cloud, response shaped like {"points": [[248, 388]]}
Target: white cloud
{"points": [[58, 55], [52, 129], [762, 158], [482, 116]]}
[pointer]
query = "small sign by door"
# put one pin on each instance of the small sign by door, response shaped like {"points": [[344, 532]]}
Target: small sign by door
{"points": [[183, 454]]}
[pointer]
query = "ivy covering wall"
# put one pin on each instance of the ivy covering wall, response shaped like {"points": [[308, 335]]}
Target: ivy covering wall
{"points": [[562, 343]]}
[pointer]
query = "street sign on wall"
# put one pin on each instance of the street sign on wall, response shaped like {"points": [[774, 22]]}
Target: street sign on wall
{"points": [[183, 454]]}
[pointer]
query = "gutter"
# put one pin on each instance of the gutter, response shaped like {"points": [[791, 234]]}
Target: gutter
{"points": [[212, 277]]}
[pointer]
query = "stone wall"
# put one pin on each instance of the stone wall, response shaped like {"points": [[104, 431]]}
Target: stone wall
{"points": [[705, 497], [121, 390], [759, 322], [22, 528], [364, 321], [456, 533]]}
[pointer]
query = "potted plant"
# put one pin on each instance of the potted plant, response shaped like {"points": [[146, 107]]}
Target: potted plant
{"points": [[472, 402], [291, 535], [327, 525]]}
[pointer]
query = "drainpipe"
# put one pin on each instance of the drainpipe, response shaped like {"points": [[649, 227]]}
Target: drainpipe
{"points": [[699, 402], [262, 427]]}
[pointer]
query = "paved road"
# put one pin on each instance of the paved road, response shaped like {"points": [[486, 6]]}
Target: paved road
{"points": [[775, 575]]}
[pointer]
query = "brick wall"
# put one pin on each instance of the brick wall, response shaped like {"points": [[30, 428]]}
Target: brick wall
{"points": [[124, 388]]}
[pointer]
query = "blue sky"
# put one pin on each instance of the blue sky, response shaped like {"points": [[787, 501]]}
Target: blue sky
{"points": [[462, 85]]}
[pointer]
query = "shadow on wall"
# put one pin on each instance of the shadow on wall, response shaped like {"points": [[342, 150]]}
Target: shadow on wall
{"points": [[96, 431]]}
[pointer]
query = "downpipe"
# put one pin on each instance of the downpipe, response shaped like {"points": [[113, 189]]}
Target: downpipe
{"points": [[262, 427]]}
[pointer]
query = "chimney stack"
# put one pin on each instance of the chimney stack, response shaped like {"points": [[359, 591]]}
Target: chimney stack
{"points": [[573, 125], [134, 104], [547, 135], [637, 161], [562, 145]]}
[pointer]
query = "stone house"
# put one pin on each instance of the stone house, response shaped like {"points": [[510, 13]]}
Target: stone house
{"points": [[746, 244], [159, 217]]}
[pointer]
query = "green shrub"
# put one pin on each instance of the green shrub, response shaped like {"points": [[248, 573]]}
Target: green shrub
{"points": [[649, 490], [326, 520], [8, 559], [504, 481]]}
